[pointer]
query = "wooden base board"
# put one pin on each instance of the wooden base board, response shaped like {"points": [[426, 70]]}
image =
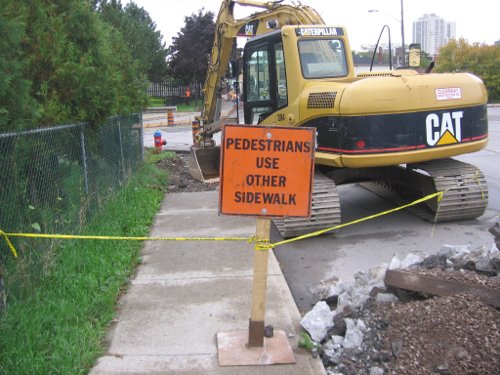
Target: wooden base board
{"points": [[233, 350]]}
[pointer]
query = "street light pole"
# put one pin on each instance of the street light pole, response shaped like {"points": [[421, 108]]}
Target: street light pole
{"points": [[402, 29], [403, 35]]}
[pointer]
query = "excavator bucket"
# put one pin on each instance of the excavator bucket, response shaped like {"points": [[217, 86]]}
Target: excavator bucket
{"points": [[204, 163]]}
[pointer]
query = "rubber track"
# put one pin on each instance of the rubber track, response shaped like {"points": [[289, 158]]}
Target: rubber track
{"points": [[325, 210], [464, 185], [465, 189]]}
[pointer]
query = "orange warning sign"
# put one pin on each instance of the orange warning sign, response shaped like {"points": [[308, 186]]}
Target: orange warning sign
{"points": [[266, 171]]}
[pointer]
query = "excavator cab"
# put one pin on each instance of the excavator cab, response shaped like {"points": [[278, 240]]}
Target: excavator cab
{"points": [[309, 55]]}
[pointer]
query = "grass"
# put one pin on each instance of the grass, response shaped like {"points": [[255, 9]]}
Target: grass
{"points": [[59, 327], [306, 342], [156, 102], [192, 107]]}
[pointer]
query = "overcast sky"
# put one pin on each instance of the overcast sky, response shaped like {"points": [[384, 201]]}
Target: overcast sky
{"points": [[477, 21]]}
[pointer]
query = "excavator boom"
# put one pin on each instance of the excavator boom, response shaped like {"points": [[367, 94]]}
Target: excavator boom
{"points": [[228, 29]]}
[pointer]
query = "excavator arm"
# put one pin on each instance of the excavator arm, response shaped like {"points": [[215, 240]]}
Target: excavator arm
{"points": [[228, 28]]}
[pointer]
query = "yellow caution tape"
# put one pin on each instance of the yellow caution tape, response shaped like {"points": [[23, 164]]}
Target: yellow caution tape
{"points": [[260, 245], [9, 244], [476, 178], [438, 195], [122, 238], [113, 238]]}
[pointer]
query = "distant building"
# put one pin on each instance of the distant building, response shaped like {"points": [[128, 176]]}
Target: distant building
{"points": [[433, 32]]}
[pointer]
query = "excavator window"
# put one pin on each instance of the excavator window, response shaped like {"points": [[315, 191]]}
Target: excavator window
{"points": [[281, 89], [322, 58], [265, 86], [258, 84]]}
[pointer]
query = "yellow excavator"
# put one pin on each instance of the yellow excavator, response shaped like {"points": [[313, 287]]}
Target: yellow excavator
{"points": [[395, 131]]}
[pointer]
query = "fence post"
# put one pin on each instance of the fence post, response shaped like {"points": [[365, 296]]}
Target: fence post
{"points": [[121, 148], [142, 138], [84, 160]]}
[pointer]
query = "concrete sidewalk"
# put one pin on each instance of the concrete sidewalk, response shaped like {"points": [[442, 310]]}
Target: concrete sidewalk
{"points": [[184, 293]]}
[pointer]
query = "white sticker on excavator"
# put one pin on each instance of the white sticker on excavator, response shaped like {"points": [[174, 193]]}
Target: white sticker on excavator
{"points": [[450, 93], [445, 128]]}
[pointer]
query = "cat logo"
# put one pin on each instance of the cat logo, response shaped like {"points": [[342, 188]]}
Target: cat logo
{"points": [[444, 129]]}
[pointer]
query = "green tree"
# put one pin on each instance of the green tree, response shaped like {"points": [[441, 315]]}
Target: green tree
{"points": [[425, 59], [78, 67], [479, 59], [189, 51], [140, 35], [16, 105]]}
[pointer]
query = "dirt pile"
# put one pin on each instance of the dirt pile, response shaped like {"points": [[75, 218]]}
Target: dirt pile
{"points": [[179, 178]]}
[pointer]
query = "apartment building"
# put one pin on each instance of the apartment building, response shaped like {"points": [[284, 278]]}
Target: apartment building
{"points": [[433, 32]]}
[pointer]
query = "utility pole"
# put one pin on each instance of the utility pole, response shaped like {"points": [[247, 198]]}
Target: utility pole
{"points": [[403, 35], [401, 20]]}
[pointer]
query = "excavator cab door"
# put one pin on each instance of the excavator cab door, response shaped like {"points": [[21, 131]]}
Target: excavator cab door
{"points": [[264, 80]]}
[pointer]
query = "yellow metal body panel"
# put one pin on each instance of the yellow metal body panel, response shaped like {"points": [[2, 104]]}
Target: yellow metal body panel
{"points": [[397, 94]]}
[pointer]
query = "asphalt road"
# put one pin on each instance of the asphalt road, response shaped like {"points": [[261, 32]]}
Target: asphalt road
{"points": [[305, 264]]}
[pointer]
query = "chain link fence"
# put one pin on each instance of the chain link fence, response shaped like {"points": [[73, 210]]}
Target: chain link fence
{"points": [[53, 179]]}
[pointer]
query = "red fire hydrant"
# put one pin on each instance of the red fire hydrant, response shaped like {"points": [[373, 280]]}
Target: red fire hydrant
{"points": [[159, 143]]}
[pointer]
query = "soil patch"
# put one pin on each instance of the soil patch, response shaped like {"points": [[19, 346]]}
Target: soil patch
{"points": [[179, 178]]}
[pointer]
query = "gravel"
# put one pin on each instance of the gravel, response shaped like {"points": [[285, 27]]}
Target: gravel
{"points": [[452, 335]]}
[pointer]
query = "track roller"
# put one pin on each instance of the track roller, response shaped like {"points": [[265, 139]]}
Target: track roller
{"points": [[325, 211]]}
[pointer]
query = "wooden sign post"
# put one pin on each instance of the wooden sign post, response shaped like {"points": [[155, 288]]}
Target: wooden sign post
{"points": [[265, 172], [259, 286]]}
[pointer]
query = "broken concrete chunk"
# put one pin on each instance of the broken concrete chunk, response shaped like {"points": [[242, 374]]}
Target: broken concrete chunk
{"points": [[376, 371], [360, 325], [373, 277], [407, 262], [355, 297], [329, 289], [384, 298], [435, 261], [481, 259], [357, 294], [338, 340], [317, 321], [455, 253], [353, 336], [330, 348]]}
